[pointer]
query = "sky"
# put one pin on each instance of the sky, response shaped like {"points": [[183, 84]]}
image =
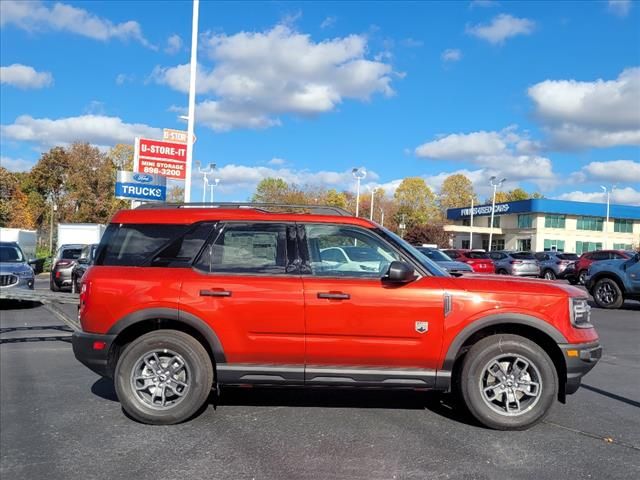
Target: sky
{"points": [[546, 94]]}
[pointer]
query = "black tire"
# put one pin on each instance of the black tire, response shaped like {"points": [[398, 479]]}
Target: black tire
{"points": [[197, 370], [607, 294], [582, 277], [53, 286], [474, 378], [572, 280], [74, 285], [502, 271], [549, 274]]}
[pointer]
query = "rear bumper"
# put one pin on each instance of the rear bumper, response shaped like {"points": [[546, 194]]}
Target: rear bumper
{"points": [[96, 360], [580, 359]]}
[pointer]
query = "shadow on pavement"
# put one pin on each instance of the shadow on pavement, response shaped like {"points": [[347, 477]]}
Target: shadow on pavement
{"points": [[17, 304], [613, 396], [438, 403], [36, 338]]}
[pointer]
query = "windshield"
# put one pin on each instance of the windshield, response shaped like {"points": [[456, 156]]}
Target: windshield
{"points": [[428, 264], [435, 255], [71, 253], [10, 254]]}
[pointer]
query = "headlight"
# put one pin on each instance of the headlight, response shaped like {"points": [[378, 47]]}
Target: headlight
{"points": [[580, 312], [24, 273]]}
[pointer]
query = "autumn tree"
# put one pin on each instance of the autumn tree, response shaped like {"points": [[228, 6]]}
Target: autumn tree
{"points": [[334, 198], [430, 234], [14, 208], [456, 192], [416, 202], [270, 190], [514, 195]]}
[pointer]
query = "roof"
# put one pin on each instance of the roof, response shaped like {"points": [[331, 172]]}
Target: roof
{"points": [[186, 216], [545, 205]]}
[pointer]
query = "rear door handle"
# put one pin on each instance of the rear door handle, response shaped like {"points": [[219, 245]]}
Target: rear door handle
{"points": [[215, 293], [334, 295]]}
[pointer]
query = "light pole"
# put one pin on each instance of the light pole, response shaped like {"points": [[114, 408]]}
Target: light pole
{"points": [[192, 99], [471, 227], [204, 172], [381, 217], [212, 185], [606, 225], [495, 186], [373, 193], [359, 174]]}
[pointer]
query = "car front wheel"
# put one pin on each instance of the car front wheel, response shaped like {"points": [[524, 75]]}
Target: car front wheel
{"points": [[582, 277], [549, 275], [607, 294], [508, 382], [163, 377]]}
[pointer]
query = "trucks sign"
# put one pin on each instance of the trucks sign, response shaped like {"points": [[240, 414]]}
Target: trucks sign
{"points": [[141, 186], [156, 157]]}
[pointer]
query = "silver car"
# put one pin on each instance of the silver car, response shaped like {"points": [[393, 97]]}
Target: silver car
{"points": [[15, 272], [557, 265], [522, 264]]}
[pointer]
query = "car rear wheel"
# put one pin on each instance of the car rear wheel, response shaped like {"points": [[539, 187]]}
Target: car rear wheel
{"points": [[508, 382], [502, 271], [607, 294], [163, 377], [549, 275], [582, 277], [53, 286]]}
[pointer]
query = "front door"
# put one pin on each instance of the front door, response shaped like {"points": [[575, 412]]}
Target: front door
{"points": [[247, 288], [359, 329]]}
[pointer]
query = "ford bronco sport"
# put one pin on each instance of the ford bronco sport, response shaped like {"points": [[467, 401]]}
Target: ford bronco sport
{"points": [[183, 298]]}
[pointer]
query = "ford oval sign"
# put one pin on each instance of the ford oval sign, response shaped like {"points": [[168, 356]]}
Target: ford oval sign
{"points": [[142, 178]]}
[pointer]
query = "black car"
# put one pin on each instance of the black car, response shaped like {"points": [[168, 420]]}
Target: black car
{"points": [[63, 264], [84, 261]]}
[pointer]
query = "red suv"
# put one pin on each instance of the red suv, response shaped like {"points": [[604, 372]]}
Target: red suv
{"points": [[586, 259], [479, 261], [181, 300]]}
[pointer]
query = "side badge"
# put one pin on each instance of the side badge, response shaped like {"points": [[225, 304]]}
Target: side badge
{"points": [[422, 327]]}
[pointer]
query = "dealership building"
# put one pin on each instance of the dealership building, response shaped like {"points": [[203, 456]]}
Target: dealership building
{"points": [[541, 224]]}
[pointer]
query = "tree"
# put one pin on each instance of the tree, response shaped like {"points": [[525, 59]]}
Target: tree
{"points": [[175, 194], [518, 194], [49, 175], [334, 198], [14, 208], [433, 234], [271, 190], [416, 202], [456, 192], [121, 156]]}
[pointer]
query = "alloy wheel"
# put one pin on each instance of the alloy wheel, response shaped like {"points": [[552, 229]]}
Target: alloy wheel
{"points": [[160, 379]]}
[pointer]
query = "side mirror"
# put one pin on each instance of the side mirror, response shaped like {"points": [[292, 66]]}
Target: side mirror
{"points": [[400, 272]]}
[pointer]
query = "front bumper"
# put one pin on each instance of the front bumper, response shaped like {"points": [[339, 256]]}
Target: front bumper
{"points": [[97, 360], [23, 283], [580, 359]]}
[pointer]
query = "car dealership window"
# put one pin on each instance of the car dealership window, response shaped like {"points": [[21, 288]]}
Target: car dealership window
{"points": [[622, 246], [525, 220], [583, 247], [554, 221], [623, 226], [590, 223], [553, 245]]}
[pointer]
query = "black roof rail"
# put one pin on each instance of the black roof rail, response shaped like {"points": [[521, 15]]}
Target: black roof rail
{"points": [[263, 207]]}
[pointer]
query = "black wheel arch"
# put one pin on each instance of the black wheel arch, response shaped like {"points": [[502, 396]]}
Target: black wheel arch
{"points": [[610, 275], [143, 321], [532, 328]]}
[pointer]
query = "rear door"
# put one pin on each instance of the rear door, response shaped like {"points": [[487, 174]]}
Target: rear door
{"points": [[245, 285], [359, 329]]}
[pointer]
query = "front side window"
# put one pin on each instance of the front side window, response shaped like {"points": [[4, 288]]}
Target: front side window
{"points": [[249, 248], [346, 251]]}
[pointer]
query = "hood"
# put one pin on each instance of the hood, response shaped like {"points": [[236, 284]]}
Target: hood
{"points": [[505, 283], [7, 268], [455, 266]]}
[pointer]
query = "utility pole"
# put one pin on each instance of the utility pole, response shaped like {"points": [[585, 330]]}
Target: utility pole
{"points": [[359, 174], [471, 227], [495, 186], [192, 99]]}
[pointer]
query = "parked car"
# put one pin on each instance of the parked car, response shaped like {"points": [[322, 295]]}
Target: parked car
{"points": [[442, 259], [15, 271], [181, 300], [586, 259], [479, 261], [556, 265], [62, 266], [346, 259], [84, 261], [521, 264], [612, 282]]}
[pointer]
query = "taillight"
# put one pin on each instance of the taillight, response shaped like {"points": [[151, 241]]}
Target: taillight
{"points": [[513, 262], [62, 263]]}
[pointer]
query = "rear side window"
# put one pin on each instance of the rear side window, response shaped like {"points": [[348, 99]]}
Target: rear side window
{"points": [[523, 256], [477, 255], [131, 245], [248, 248], [452, 253]]}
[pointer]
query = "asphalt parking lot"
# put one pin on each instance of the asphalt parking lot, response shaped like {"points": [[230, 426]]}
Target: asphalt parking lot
{"points": [[60, 421]]}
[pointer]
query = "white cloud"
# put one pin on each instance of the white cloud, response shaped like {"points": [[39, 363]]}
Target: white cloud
{"points": [[98, 130], [451, 55], [15, 164], [258, 76], [625, 196], [24, 76], [328, 22], [174, 44], [123, 78], [601, 113], [35, 16], [507, 153], [620, 8], [237, 177], [501, 28], [614, 171], [277, 161]]}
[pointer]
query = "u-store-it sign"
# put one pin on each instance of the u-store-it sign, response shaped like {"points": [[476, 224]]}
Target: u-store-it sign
{"points": [[156, 157]]}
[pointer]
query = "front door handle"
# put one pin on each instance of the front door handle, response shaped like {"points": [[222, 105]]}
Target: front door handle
{"points": [[215, 293], [334, 295]]}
